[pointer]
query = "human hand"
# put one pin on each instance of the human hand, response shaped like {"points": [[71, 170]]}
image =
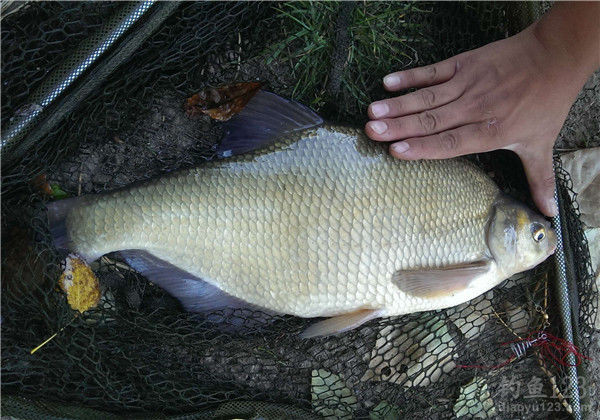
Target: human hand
{"points": [[512, 94]]}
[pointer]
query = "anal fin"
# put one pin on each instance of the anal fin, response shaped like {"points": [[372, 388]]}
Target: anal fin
{"points": [[341, 323], [195, 294]]}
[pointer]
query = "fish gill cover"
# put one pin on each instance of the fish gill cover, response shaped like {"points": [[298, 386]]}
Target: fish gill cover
{"points": [[136, 352]]}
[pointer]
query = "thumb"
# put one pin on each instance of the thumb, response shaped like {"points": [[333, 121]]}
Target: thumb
{"points": [[540, 174]]}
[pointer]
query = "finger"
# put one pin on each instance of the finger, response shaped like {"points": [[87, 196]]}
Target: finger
{"points": [[421, 76], [464, 140], [421, 100], [540, 174], [423, 123]]}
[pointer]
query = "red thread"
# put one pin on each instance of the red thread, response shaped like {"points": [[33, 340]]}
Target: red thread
{"points": [[551, 348]]}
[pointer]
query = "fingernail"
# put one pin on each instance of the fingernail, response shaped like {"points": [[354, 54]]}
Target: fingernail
{"points": [[400, 147], [391, 80], [379, 109], [551, 204], [378, 126]]}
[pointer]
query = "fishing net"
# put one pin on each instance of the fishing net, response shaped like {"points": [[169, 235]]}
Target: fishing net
{"points": [[137, 354]]}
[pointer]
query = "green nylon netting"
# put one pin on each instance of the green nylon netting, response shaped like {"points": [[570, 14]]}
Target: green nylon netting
{"points": [[137, 353]]}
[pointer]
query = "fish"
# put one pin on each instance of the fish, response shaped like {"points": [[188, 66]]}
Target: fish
{"points": [[300, 217]]}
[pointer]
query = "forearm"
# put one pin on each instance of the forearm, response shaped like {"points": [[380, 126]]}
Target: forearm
{"points": [[571, 32]]}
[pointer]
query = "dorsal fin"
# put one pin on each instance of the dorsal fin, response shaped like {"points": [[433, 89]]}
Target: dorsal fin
{"points": [[265, 118]]}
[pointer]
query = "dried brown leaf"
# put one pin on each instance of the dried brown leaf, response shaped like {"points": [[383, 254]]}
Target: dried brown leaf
{"points": [[40, 183], [223, 102]]}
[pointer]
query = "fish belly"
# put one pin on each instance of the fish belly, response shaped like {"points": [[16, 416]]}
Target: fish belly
{"points": [[315, 227]]}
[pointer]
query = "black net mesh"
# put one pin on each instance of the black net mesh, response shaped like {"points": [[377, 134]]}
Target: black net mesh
{"points": [[36, 40], [137, 353]]}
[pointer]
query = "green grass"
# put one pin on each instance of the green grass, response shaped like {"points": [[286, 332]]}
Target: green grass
{"points": [[307, 46], [383, 37]]}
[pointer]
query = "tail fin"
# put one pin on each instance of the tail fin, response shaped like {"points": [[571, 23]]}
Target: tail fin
{"points": [[57, 218]]}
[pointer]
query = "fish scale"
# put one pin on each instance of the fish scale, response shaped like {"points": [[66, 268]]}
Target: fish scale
{"points": [[323, 220]]}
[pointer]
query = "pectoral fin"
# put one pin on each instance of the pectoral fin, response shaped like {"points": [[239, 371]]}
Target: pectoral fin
{"points": [[441, 281], [341, 323]]}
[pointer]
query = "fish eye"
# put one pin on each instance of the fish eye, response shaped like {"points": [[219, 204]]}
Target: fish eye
{"points": [[538, 232]]}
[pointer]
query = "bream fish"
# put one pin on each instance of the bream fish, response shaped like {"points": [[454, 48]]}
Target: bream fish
{"points": [[303, 218]]}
